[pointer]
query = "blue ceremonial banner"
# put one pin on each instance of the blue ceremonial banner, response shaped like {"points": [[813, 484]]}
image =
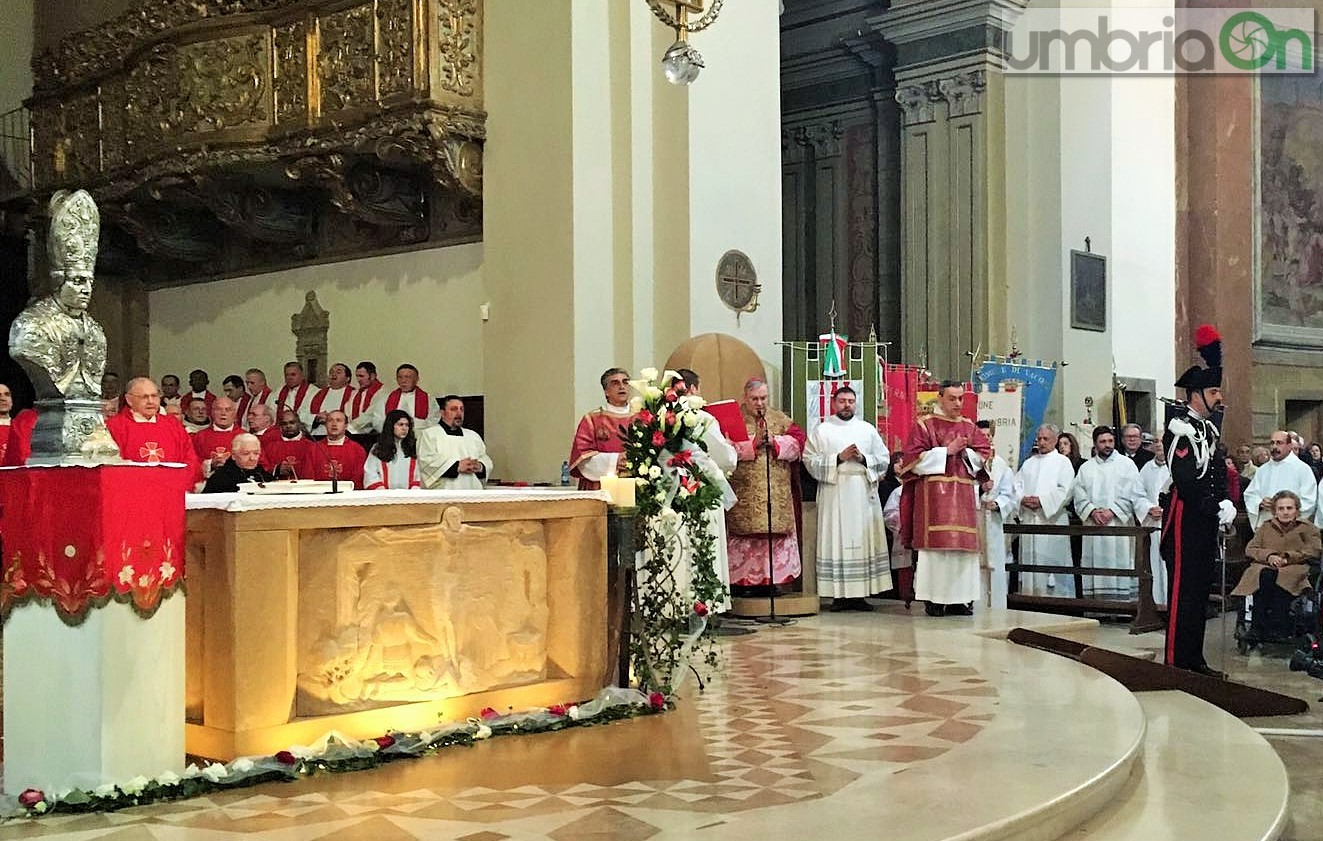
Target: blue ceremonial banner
{"points": [[1037, 380]]}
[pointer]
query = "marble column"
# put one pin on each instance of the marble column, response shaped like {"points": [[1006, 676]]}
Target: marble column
{"points": [[949, 87]]}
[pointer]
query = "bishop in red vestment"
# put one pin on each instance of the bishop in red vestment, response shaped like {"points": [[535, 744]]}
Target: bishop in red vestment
{"points": [[943, 462], [144, 435], [597, 443]]}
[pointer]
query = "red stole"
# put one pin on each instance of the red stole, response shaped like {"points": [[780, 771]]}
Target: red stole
{"points": [[363, 399], [298, 400], [247, 400], [385, 476], [419, 403], [940, 512], [345, 396]]}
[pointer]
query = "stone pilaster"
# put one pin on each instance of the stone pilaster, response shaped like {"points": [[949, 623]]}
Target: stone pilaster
{"points": [[949, 88]]}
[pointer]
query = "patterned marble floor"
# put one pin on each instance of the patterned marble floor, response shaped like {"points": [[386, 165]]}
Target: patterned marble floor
{"points": [[827, 723]]}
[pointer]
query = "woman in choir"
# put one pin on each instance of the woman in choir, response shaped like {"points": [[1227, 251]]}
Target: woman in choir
{"points": [[393, 462]]}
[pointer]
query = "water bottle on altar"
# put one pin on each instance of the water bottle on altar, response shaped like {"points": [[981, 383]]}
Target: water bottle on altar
{"points": [[565, 474]]}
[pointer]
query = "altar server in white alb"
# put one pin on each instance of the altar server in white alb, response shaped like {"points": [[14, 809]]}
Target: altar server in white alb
{"points": [[1155, 479], [1107, 493], [998, 498], [717, 464], [847, 457], [451, 457], [1284, 471], [1045, 481]]}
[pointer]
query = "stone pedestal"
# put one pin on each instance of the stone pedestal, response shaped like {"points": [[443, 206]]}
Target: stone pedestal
{"points": [[98, 703], [94, 627]]}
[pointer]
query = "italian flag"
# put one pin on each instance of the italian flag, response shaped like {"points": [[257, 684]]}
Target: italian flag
{"points": [[833, 354]]}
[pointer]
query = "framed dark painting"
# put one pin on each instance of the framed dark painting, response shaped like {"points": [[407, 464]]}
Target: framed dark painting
{"points": [[1088, 291]]}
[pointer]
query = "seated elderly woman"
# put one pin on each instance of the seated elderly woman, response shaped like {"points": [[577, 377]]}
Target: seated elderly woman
{"points": [[1280, 552], [244, 465]]}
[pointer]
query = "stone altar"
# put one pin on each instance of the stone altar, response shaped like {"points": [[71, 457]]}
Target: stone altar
{"points": [[368, 611]]}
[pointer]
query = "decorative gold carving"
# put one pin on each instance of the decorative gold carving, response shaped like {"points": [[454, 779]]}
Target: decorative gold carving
{"points": [[459, 44], [222, 84], [396, 26], [291, 72], [346, 62]]}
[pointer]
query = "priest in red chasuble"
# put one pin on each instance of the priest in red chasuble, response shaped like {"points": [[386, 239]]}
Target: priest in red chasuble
{"points": [[338, 456], [144, 435], [291, 454], [597, 444], [945, 457]]}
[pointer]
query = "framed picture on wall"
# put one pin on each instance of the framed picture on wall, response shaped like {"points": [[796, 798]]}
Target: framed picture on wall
{"points": [[1088, 291]]}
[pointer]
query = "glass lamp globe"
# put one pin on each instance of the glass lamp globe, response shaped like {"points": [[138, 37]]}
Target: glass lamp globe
{"points": [[681, 63]]}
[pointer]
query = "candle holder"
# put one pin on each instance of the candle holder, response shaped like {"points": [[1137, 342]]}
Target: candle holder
{"points": [[622, 581]]}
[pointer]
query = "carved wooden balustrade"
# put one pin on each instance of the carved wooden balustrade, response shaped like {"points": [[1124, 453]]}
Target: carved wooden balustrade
{"points": [[228, 135]]}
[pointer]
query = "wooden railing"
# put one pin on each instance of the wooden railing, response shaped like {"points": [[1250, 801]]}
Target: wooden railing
{"points": [[1143, 611]]}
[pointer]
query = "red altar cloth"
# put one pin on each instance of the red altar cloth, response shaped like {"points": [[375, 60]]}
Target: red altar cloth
{"points": [[77, 537]]}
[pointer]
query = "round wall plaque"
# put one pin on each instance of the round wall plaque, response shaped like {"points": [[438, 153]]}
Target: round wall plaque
{"points": [[737, 282]]}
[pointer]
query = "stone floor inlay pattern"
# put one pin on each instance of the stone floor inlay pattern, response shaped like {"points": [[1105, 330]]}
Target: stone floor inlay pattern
{"points": [[796, 714]]}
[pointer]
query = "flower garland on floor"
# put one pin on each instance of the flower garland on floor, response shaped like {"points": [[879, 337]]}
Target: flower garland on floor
{"points": [[334, 752], [677, 579]]}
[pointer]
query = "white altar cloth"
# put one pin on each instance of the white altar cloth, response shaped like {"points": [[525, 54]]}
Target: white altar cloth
{"points": [[234, 502]]}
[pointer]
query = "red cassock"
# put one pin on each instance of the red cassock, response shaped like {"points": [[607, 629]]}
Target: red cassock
{"points": [[211, 440], [347, 457], [151, 442], [19, 444], [598, 432], [940, 512], [300, 454]]}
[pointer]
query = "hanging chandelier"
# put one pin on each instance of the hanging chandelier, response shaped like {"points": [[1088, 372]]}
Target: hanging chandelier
{"points": [[681, 63]]}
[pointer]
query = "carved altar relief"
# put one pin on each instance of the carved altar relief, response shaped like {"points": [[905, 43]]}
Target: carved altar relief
{"points": [[385, 616]]}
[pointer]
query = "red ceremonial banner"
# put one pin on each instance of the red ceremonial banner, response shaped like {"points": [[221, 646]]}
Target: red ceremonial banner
{"points": [[78, 537]]}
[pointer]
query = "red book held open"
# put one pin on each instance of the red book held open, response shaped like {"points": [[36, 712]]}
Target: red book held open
{"points": [[731, 420]]}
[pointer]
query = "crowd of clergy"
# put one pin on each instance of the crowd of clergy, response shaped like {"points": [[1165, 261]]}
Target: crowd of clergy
{"points": [[926, 524], [354, 431]]}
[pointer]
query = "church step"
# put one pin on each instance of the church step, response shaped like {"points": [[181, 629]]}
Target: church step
{"points": [[1204, 774]]}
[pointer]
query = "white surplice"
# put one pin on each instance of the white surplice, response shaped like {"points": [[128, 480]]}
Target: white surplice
{"points": [[1112, 484], [438, 451], [852, 536], [717, 464], [1154, 478], [1289, 474], [1004, 495], [1051, 478], [395, 474]]}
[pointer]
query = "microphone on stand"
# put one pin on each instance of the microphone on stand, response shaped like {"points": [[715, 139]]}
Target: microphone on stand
{"points": [[771, 618]]}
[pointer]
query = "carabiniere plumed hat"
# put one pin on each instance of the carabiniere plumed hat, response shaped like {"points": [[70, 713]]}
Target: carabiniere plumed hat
{"points": [[1209, 345]]}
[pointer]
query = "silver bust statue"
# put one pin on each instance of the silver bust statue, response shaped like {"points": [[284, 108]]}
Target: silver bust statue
{"points": [[62, 348]]}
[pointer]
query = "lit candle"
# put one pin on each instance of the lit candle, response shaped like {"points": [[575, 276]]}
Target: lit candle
{"points": [[611, 484], [625, 493]]}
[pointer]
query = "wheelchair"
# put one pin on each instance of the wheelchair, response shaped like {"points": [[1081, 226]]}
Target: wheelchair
{"points": [[1302, 622]]}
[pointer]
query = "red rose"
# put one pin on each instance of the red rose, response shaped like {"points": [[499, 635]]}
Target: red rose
{"points": [[670, 418], [657, 701], [671, 395], [384, 742], [31, 797], [556, 709], [285, 758], [658, 439], [700, 608], [488, 713], [646, 417], [683, 457]]}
